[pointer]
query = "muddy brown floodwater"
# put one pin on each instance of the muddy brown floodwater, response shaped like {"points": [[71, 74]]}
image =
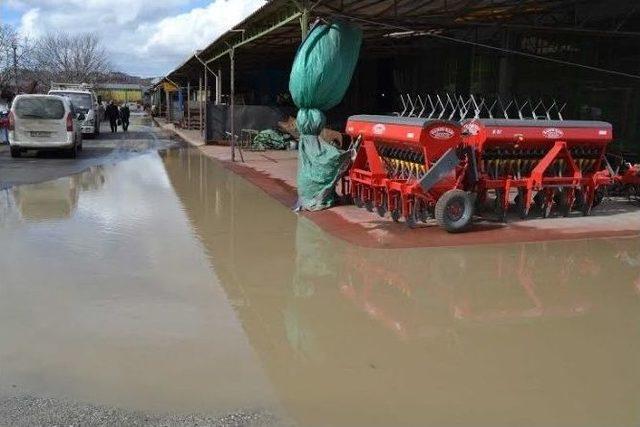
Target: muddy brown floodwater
{"points": [[164, 283]]}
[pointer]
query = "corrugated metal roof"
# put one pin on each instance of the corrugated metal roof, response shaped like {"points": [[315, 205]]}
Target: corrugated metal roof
{"points": [[378, 19]]}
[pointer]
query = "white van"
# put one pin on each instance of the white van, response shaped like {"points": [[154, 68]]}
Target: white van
{"points": [[44, 122], [85, 101]]}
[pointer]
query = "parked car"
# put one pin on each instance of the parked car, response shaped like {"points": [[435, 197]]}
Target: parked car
{"points": [[44, 122], [85, 101]]}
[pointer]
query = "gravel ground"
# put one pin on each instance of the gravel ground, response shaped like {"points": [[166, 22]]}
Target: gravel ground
{"points": [[37, 411]]}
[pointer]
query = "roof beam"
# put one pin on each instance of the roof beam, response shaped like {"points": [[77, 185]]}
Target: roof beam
{"points": [[274, 27]]}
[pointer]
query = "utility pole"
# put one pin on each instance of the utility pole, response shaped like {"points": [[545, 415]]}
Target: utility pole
{"points": [[14, 46]]}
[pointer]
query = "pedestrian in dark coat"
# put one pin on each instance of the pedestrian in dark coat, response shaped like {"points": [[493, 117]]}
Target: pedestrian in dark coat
{"points": [[112, 114], [124, 116]]}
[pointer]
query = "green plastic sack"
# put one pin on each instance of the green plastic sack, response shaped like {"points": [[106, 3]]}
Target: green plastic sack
{"points": [[320, 76], [270, 139]]}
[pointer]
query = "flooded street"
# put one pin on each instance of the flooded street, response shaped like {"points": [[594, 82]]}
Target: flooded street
{"points": [[163, 283]]}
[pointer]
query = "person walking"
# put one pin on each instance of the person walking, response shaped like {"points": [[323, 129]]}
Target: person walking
{"points": [[112, 113], [125, 112]]}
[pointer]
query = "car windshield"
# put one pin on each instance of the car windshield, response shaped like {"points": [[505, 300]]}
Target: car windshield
{"points": [[81, 101], [39, 108]]}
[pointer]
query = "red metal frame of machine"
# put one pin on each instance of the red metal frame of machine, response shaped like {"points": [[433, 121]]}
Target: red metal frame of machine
{"points": [[394, 153], [630, 180], [542, 156], [415, 168]]}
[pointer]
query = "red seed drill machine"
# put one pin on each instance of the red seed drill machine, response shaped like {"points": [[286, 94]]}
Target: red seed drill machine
{"points": [[628, 182], [444, 165]]}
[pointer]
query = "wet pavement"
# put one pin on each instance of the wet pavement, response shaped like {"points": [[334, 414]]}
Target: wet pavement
{"points": [[109, 147], [165, 288]]}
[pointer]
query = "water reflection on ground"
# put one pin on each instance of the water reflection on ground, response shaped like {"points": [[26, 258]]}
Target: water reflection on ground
{"points": [[526, 334], [167, 283], [112, 301]]}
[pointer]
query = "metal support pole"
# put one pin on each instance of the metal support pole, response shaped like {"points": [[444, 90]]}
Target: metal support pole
{"points": [[219, 87], [217, 76], [304, 20], [200, 103], [206, 102], [188, 106], [168, 115], [232, 102]]}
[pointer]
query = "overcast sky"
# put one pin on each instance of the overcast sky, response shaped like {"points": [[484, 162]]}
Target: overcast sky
{"points": [[143, 37]]}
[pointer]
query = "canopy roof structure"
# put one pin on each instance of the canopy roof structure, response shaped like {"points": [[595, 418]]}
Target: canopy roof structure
{"points": [[274, 30]]}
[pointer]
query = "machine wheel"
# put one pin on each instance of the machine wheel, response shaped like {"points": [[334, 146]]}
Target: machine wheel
{"points": [[454, 210], [395, 215], [15, 152], [72, 152], [358, 201]]}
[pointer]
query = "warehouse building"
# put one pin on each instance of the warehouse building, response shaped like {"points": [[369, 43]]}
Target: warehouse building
{"points": [[120, 92], [584, 52]]}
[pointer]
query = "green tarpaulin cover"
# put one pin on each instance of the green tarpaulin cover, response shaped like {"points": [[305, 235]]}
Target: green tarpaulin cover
{"points": [[271, 139], [320, 77]]}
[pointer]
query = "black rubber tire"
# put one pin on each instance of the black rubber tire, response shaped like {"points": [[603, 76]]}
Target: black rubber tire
{"points": [[72, 152], [15, 152], [443, 215], [358, 202], [395, 215]]}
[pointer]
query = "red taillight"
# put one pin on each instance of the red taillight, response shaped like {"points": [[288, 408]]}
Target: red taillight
{"points": [[12, 121], [69, 122]]}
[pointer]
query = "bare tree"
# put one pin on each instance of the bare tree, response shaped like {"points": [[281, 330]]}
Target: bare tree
{"points": [[71, 58], [16, 58]]}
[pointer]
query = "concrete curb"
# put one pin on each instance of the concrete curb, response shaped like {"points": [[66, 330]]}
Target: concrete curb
{"points": [[184, 134]]}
